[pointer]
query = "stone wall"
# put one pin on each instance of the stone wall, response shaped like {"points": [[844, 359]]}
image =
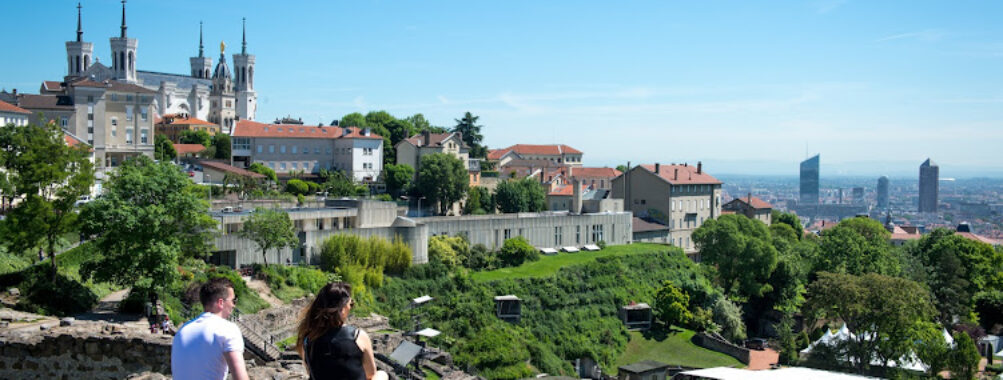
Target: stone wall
{"points": [[722, 346], [92, 350]]}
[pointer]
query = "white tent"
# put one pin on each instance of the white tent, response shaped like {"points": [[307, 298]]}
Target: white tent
{"points": [[910, 362]]}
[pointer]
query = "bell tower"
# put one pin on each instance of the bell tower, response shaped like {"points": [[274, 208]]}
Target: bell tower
{"points": [[201, 65], [243, 72], [78, 53], [123, 54]]}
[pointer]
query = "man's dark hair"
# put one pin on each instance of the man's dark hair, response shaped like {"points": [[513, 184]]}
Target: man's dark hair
{"points": [[214, 289]]}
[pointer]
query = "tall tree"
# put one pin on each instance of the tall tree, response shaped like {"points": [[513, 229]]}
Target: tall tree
{"points": [[471, 134], [743, 252], [442, 179], [789, 219], [857, 246], [353, 119], [149, 216], [524, 195], [422, 124], [221, 142], [269, 228], [398, 178], [163, 148], [672, 305], [195, 137], [257, 167], [49, 176], [883, 313], [956, 268]]}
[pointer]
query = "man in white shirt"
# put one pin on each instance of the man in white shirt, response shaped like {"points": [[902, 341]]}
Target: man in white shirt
{"points": [[210, 346]]}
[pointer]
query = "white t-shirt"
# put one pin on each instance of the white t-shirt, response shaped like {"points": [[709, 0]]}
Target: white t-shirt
{"points": [[197, 351]]}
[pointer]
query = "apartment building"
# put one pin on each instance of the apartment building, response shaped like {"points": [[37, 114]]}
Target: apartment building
{"points": [[680, 196], [556, 153], [752, 207], [412, 149], [173, 125], [289, 147], [11, 114]]}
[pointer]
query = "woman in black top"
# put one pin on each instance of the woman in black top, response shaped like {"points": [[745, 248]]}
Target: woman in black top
{"points": [[330, 348]]}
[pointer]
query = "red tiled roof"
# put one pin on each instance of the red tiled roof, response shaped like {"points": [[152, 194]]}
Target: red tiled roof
{"points": [[189, 121], [564, 190], [434, 139], [247, 128], [7, 107], [113, 86], [593, 172], [496, 154], [687, 175], [73, 141], [755, 202], [188, 148], [230, 169], [978, 238], [551, 150], [49, 102]]}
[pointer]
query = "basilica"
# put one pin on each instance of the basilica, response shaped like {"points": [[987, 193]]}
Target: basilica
{"points": [[219, 95]]}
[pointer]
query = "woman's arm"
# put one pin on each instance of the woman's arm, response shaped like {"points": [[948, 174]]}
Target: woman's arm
{"points": [[368, 361]]}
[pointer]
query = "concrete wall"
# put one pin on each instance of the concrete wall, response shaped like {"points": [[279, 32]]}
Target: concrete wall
{"points": [[710, 343], [542, 230]]}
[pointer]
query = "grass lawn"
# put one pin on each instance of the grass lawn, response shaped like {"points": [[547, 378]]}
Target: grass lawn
{"points": [[549, 264], [674, 348]]}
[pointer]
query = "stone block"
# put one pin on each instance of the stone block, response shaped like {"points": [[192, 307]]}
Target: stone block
{"points": [[14, 292], [68, 321]]}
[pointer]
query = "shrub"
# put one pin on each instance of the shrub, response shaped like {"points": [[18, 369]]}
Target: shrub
{"points": [[313, 187], [601, 244], [729, 317], [517, 250], [297, 187], [672, 305]]}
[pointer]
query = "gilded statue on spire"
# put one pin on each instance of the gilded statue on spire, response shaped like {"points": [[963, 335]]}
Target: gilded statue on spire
{"points": [[222, 47]]}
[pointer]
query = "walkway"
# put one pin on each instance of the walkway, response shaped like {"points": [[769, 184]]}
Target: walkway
{"points": [[763, 359], [107, 310]]}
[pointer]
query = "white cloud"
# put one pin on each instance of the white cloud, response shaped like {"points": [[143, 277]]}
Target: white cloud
{"points": [[928, 35]]}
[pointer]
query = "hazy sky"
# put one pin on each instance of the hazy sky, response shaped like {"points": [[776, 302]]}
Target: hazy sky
{"points": [[745, 86]]}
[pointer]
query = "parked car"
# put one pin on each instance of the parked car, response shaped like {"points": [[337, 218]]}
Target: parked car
{"points": [[82, 200], [757, 344], [227, 209]]}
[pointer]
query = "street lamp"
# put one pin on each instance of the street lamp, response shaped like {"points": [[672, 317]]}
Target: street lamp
{"points": [[205, 178]]}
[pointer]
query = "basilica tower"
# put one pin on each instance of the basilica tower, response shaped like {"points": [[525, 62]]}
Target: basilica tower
{"points": [[78, 53], [123, 54], [243, 66], [201, 64], [221, 99]]}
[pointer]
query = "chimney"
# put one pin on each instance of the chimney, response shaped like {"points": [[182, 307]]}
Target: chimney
{"points": [[366, 132], [699, 167], [676, 174], [750, 199], [576, 200], [427, 137], [658, 168], [345, 131]]}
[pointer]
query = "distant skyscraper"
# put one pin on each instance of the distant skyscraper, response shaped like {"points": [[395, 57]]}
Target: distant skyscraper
{"points": [[883, 192], [929, 175], [809, 181], [858, 195]]}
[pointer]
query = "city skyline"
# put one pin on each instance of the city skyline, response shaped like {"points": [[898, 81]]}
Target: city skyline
{"points": [[876, 88]]}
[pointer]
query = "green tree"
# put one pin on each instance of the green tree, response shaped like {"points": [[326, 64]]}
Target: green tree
{"points": [[524, 195], [989, 306], [221, 142], [257, 167], [672, 305], [398, 178], [450, 250], [353, 119], [380, 122], [269, 228], [471, 134], [400, 130], [729, 317], [741, 249], [479, 201], [442, 179], [789, 219], [787, 340], [195, 137], [422, 124], [297, 187], [39, 167], [857, 246], [956, 268], [149, 217], [339, 184], [163, 148], [931, 348], [883, 312], [622, 168], [517, 250], [964, 358]]}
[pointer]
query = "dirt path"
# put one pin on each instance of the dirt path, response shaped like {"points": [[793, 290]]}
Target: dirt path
{"points": [[107, 310], [263, 291], [762, 359]]}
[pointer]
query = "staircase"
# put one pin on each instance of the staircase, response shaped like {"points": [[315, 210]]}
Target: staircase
{"points": [[255, 341]]}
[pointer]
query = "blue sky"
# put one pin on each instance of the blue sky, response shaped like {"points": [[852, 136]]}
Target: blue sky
{"points": [[746, 87]]}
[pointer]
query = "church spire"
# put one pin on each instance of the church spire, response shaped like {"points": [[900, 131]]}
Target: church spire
{"points": [[243, 45], [123, 20], [80, 29], [201, 48]]}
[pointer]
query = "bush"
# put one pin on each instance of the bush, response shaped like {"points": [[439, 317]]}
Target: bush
{"points": [[450, 250], [384, 197], [313, 187], [376, 253], [601, 244], [517, 250], [729, 317], [297, 187], [481, 258], [672, 305]]}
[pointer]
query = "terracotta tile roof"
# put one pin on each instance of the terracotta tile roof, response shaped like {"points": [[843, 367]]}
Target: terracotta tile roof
{"points": [[247, 128], [46, 102], [687, 175], [754, 202], [434, 139], [186, 121], [7, 107], [564, 190], [727, 212], [87, 83], [230, 169], [593, 172], [978, 238], [641, 225], [112, 85], [52, 85], [496, 154], [188, 148], [551, 150], [73, 141]]}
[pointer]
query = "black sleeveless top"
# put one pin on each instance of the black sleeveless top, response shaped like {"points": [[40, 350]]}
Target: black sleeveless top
{"points": [[335, 355]]}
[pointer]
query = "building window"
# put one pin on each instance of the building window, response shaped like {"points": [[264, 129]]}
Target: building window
{"points": [[294, 148], [306, 150], [507, 233], [316, 150], [128, 113], [282, 149], [271, 149], [578, 234], [143, 113], [296, 165], [128, 98], [114, 97], [114, 122], [143, 136], [63, 122], [557, 236], [328, 150], [128, 136], [282, 166], [260, 148]]}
